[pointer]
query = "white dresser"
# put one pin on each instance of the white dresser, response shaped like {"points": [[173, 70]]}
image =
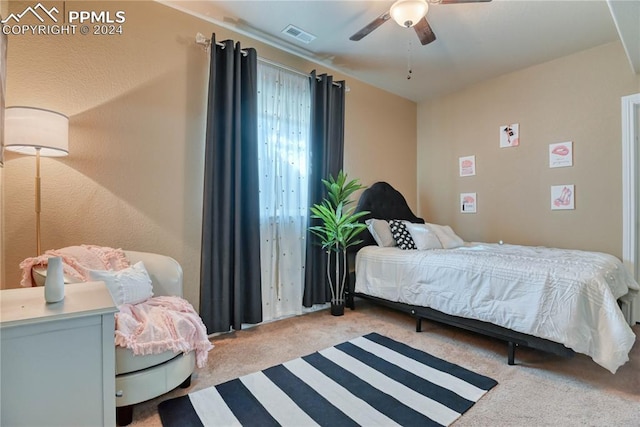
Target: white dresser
{"points": [[57, 361]]}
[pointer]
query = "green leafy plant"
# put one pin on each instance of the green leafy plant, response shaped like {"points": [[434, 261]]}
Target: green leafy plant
{"points": [[339, 228]]}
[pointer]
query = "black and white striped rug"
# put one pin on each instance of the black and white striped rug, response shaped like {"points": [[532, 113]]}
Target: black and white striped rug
{"points": [[370, 380]]}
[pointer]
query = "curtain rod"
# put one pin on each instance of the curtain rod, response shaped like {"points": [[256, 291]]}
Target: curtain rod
{"points": [[206, 43]]}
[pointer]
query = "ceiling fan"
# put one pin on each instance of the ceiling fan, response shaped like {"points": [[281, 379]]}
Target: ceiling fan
{"points": [[409, 13]]}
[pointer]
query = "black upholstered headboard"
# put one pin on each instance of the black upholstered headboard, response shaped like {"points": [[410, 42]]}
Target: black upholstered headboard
{"points": [[383, 202]]}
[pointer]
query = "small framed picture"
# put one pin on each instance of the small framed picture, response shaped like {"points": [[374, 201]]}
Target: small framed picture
{"points": [[467, 165], [468, 202], [561, 154], [562, 197], [510, 135]]}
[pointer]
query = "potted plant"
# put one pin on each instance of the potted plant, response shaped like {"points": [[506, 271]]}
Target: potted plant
{"points": [[338, 231]]}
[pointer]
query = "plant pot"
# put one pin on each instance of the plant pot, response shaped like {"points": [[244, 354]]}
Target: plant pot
{"points": [[337, 309]]}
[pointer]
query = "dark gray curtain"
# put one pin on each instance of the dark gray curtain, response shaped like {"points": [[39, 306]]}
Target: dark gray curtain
{"points": [[327, 154], [230, 292]]}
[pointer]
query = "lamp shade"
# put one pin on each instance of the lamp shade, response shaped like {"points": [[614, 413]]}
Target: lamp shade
{"points": [[407, 13], [28, 129]]}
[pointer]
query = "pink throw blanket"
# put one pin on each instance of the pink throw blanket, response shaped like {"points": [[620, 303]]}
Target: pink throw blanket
{"points": [[76, 261], [160, 324]]}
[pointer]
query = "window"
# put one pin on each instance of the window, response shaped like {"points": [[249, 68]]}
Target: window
{"points": [[284, 100]]}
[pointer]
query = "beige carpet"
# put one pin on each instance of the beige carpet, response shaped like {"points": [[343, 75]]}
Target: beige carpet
{"points": [[541, 390]]}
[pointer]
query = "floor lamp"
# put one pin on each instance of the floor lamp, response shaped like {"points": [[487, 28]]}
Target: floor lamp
{"points": [[36, 132]]}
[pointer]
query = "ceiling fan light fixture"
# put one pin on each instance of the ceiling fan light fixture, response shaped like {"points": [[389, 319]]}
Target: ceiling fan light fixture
{"points": [[407, 13]]}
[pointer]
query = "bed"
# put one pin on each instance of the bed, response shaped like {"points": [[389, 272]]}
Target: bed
{"points": [[555, 300]]}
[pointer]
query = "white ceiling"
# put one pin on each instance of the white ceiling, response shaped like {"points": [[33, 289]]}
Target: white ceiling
{"points": [[475, 41]]}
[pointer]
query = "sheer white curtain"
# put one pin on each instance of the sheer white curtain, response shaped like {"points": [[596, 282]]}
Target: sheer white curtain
{"points": [[283, 139]]}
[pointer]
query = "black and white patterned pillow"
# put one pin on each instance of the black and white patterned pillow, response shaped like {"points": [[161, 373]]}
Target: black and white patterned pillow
{"points": [[401, 235]]}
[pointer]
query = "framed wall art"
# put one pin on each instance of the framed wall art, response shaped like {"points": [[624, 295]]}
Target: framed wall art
{"points": [[561, 154], [510, 135], [562, 197], [468, 203], [467, 165]]}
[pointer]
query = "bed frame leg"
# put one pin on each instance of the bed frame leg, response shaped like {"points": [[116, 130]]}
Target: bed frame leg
{"points": [[511, 354], [349, 301], [419, 324]]}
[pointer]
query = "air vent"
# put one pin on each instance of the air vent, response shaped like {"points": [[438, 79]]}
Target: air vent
{"points": [[299, 34]]}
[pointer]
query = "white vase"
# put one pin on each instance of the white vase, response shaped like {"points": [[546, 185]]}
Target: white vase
{"points": [[54, 283]]}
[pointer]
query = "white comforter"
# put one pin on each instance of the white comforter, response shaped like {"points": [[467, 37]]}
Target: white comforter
{"points": [[565, 296]]}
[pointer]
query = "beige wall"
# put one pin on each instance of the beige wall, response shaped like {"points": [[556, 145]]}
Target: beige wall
{"points": [[3, 12], [137, 104], [575, 98], [380, 139]]}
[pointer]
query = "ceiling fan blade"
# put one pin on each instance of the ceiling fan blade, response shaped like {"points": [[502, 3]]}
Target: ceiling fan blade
{"points": [[463, 1], [424, 31], [371, 26]]}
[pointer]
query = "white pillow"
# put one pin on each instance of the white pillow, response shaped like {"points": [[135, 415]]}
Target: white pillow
{"points": [[127, 286], [379, 229], [447, 237], [423, 236]]}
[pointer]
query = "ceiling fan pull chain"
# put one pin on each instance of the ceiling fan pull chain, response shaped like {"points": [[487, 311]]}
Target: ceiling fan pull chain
{"points": [[409, 71]]}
